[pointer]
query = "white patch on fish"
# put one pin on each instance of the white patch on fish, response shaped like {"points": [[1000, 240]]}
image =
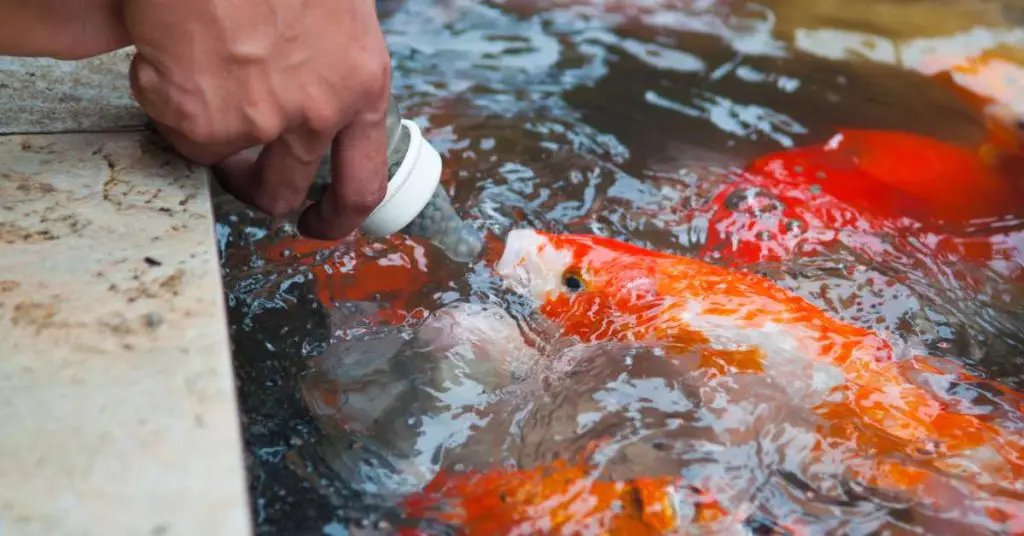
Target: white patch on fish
{"points": [[531, 266], [787, 357]]}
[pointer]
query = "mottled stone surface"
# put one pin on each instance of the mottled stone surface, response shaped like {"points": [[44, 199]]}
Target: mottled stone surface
{"points": [[116, 387], [44, 95]]}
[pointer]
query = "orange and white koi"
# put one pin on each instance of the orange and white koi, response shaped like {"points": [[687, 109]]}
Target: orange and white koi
{"points": [[897, 433]]}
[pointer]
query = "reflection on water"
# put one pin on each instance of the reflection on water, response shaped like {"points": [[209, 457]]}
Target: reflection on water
{"points": [[368, 368]]}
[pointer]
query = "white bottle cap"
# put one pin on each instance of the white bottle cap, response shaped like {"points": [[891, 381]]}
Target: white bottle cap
{"points": [[409, 189]]}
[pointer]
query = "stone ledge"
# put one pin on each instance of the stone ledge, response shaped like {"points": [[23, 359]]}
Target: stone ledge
{"points": [[117, 392], [45, 95]]}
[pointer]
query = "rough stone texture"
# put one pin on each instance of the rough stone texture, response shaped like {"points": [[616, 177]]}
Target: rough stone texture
{"points": [[44, 95], [117, 400]]}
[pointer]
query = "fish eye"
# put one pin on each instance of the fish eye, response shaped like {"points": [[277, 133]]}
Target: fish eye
{"points": [[572, 280]]}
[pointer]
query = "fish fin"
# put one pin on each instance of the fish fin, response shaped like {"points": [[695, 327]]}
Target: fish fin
{"points": [[953, 376]]}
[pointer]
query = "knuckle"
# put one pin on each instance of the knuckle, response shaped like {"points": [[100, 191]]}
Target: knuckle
{"points": [[264, 124], [374, 83], [197, 128], [305, 149], [162, 102], [322, 118], [266, 129], [144, 77]]}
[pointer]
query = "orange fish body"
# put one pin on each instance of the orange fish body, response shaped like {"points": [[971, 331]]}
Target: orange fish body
{"points": [[393, 270], [892, 175], [397, 270], [863, 182], [559, 498], [851, 188], [601, 289]]}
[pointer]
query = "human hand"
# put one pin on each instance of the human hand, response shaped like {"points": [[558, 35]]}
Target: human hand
{"points": [[222, 76]]}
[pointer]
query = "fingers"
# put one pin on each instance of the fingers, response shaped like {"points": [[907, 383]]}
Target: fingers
{"points": [[359, 180], [293, 92], [276, 182]]}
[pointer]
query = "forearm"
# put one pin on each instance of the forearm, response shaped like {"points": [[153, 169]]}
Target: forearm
{"points": [[63, 29]]}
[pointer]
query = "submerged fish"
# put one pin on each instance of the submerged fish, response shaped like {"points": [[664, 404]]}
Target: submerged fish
{"points": [[863, 186], [397, 270], [891, 432], [853, 188], [561, 498], [394, 270]]}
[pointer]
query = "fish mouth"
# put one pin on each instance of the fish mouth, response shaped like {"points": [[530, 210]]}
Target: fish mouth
{"points": [[512, 266], [531, 265]]}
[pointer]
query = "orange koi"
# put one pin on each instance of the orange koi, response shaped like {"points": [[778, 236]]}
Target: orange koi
{"points": [[395, 270], [561, 498], [893, 432], [862, 182], [851, 188]]}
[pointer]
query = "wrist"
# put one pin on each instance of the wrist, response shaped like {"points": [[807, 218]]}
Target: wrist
{"points": [[61, 29]]}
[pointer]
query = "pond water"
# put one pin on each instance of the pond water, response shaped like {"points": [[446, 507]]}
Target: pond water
{"points": [[366, 367]]}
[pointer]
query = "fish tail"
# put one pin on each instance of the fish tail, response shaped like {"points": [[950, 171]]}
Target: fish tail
{"points": [[979, 421], [959, 378], [893, 479]]}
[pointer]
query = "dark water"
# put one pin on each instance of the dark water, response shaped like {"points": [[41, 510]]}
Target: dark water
{"points": [[594, 117]]}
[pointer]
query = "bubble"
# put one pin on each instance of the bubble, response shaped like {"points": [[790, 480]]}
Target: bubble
{"points": [[755, 200]]}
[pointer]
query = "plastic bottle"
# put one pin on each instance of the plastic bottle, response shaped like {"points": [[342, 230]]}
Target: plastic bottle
{"points": [[416, 203]]}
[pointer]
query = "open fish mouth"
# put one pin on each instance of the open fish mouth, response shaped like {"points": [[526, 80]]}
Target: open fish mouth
{"points": [[531, 265], [513, 267]]}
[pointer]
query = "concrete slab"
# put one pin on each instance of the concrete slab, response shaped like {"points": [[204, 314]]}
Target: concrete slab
{"points": [[46, 95], [117, 396]]}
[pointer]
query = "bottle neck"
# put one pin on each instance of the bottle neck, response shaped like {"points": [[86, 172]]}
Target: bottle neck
{"points": [[397, 136]]}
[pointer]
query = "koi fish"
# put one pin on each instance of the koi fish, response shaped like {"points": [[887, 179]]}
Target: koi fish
{"points": [[395, 270], [561, 497], [853, 187], [863, 183], [895, 434]]}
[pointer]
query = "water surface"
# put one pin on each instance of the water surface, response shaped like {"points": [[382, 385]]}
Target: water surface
{"points": [[608, 117]]}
